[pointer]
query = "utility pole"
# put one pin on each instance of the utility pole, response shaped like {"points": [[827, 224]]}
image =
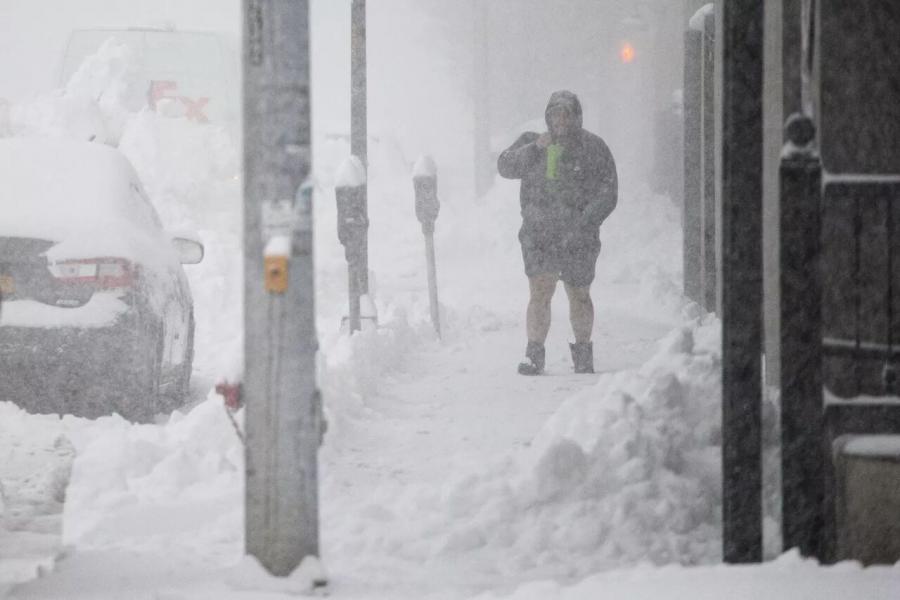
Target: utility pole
{"points": [[359, 123], [484, 166], [283, 411]]}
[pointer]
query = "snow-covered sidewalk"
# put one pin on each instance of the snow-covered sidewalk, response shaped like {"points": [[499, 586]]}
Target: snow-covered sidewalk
{"points": [[788, 578], [34, 473]]}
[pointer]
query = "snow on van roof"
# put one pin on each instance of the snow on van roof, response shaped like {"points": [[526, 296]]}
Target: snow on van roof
{"points": [[64, 190]]}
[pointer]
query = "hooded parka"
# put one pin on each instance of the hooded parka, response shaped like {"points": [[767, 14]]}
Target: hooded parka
{"points": [[567, 191]]}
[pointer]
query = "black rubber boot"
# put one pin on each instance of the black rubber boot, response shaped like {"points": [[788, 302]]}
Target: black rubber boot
{"points": [[583, 356], [534, 360]]}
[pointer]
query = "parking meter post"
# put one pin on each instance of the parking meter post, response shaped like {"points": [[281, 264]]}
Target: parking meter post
{"points": [[283, 421], [432, 282], [353, 312], [359, 146], [353, 225], [427, 209], [350, 229]]}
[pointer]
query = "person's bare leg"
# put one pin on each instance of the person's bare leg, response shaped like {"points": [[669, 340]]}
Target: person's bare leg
{"points": [[537, 318], [581, 312]]}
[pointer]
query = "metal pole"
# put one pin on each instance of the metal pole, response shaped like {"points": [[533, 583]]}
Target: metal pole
{"points": [[742, 135], [803, 452], [709, 272], [283, 418], [359, 122], [484, 166], [353, 294], [432, 282], [693, 191], [352, 225]]}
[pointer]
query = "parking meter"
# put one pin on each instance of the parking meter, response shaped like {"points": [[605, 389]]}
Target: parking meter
{"points": [[352, 217], [427, 209], [352, 228], [425, 186], [352, 221]]}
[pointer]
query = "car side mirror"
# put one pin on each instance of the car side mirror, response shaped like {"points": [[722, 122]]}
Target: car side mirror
{"points": [[190, 252]]}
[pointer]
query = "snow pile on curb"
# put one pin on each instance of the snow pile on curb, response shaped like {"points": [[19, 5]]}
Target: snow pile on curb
{"points": [[353, 369], [639, 454], [625, 472], [173, 489], [178, 487]]}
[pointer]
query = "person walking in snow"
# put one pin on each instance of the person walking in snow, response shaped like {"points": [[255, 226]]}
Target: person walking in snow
{"points": [[569, 187]]}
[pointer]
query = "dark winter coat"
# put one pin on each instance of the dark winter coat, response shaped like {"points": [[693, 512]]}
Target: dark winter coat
{"points": [[561, 217]]}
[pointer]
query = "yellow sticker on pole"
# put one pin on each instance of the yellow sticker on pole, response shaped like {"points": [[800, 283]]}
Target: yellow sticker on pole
{"points": [[276, 269], [275, 264]]}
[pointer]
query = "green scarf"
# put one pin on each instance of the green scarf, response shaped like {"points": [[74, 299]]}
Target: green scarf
{"points": [[554, 152]]}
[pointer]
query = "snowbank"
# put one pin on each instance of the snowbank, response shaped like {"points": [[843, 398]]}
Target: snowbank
{"points": [[172, 489], [623, 473]]}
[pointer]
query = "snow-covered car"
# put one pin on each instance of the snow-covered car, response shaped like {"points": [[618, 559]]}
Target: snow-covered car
{"points": [[96, 314]]}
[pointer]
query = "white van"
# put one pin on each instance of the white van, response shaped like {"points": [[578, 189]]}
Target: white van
{"points": [[197, 71]]}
